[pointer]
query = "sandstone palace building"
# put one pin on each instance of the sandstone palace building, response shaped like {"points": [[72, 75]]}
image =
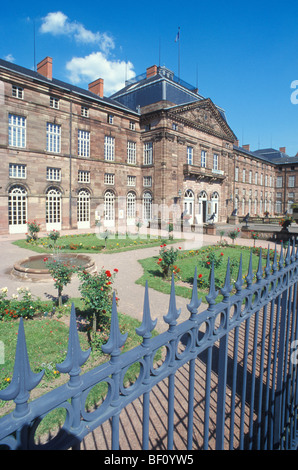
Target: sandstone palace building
{"points": [[71, 157]]}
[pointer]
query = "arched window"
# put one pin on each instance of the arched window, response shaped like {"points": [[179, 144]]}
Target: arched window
{"points": [[53, 209], [188, 206], [131, 206], [17, 209], [109, 208], [83, 208], [147, 206]]}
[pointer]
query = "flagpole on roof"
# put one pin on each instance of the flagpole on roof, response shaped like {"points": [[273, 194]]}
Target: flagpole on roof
{"points": [[178, 39]]}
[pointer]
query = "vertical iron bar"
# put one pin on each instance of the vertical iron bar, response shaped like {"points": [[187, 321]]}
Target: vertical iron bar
{"points": [[221, 394], [253, 381], [207, 398], [171, 400], [192, 365], [146, 406], [234, 386], [278, 417], [261, 381], [243, 392]]}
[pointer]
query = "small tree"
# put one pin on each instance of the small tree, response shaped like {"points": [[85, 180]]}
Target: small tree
{"points": [[61, 273], [234, 234]]}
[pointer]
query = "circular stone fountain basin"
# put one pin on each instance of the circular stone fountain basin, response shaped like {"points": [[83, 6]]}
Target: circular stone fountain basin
{"points": [[34, 267]]}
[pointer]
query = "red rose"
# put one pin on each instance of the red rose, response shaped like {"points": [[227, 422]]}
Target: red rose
{"points": [[200, 275], [221, 254], [116, 270]]}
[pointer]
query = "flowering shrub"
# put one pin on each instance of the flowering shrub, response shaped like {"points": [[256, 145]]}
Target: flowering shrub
{"points": [[61, 273], [210, 257], [96, 291], [22, 304], [33, 229], [254, 236], [167, 259]]}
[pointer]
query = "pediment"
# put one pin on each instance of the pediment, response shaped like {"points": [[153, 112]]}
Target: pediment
{"points": [[205, 116]]}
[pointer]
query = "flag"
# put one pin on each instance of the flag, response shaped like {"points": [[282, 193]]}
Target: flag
{"points": [[178, 35]]}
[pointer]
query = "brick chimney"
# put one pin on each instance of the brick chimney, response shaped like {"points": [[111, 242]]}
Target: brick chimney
{"points": [[282, 149], [151, 71], [97, 87], [246, 147], [45, 67], [236, 143]]}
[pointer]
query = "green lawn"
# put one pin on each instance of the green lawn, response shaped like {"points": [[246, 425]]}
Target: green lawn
{"points": [[92, 243], [188, 260]]}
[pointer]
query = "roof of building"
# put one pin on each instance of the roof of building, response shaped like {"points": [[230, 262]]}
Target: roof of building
{"points": [[164, 85], [62, 85]]}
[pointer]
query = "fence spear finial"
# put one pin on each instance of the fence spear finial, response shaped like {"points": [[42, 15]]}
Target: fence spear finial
{"points": [[268, 268], [75, 356], [148, 324], [116, 339], [281, 257], [288, 255], [23, 380], [173, 312], [227, 288], [239, 282], [274, 264], [195, 301], [260, 267], [212, 292], [249, 277]]}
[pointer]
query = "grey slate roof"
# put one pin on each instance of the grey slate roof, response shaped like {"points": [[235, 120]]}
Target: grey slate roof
{"points": [[62, 85]]}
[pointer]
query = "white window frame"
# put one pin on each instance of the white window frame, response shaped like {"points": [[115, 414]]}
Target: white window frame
{"points": [[131, 152], [16, 131], [109, 178], [17, 170], [84, 111], [109, 148], [53, 137], [203, 158], [53, 174], [189, 155], [83, 176], [53, 209], [215, 161], [147, 181], [148, 153], [291, 181], [83, 208], [54, 102], [279, 181], [83, 143], [131, 180], [17, 92], [132, 126], [17, 209]]}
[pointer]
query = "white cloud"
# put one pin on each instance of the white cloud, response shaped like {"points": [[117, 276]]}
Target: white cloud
{"points": [[97, 65], [57, 23], [9, 58]]}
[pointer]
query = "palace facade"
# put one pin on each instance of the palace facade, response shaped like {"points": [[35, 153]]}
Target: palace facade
{"points": [[71, 157]]}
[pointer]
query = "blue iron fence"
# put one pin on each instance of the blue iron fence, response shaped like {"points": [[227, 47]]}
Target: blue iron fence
{"points": [[235, 363]]}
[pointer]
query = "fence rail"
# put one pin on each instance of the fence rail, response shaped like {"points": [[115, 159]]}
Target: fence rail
{"points": [[237, 358]]}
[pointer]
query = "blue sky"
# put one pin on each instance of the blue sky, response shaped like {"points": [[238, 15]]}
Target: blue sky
{"points": [[242, 55]]}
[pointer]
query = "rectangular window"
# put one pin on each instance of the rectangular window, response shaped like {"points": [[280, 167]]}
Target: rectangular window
{"points": [[83, 143], [16, 131], [291, 181], [148, 153], [147, 181], [54, 102], [236, 173], [17, 92], [131, 152], [83, 176], [110, 119], [53, 174], [109, 178], [53, 138], [215, 161], [189, 155], [84, 111], [279, 182], [261, 180], [109, 150], [175, 126], [203, 158], [250, 176], [256, 178], [131, 180], [132, 126], [17, 171], [243, 175]]}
